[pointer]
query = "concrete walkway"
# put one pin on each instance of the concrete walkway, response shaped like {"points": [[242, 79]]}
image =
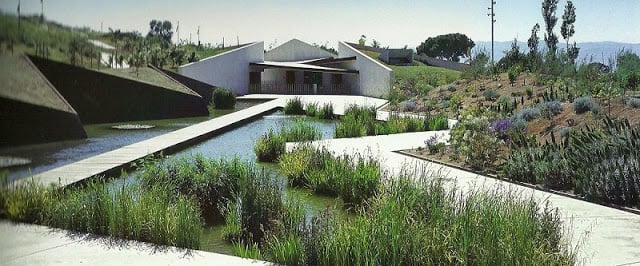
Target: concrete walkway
{"points": [[604, 235], [27, 244]]}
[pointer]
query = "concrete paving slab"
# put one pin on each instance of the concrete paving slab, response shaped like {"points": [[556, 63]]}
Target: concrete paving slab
{"points": [[40, 245]]}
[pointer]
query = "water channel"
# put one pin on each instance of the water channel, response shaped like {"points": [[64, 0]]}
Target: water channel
{"points": [[238, 142]]}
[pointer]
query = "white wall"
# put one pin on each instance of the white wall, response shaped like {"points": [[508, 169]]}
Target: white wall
{"points": [[375, 79], [295, 50], [229, 70]]}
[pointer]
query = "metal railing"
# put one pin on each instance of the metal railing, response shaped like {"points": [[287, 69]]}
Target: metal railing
{"points": [[298, 89]]}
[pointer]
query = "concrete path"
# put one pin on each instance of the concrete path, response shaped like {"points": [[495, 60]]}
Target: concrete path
{"points": [[26, 244], [604, 236]]}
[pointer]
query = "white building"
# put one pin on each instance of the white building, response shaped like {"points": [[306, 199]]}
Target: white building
{"points": [[294, 67]]}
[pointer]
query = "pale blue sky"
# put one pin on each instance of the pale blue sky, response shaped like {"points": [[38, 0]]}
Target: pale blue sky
{"points": [[393, 23]]}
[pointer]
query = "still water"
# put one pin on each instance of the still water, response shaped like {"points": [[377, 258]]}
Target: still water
{"points": [[100, 138]]}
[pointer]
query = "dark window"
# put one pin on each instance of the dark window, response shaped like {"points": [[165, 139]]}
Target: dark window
{"points": [[255, 77], [291, 77], [336, 78], [312, 77]]}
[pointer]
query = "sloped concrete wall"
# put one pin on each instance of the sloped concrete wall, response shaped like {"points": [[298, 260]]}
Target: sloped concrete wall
{"points": [[205, 90], [374, 80], [296, 50], [101, 98], [25, 123], [229, 70]]}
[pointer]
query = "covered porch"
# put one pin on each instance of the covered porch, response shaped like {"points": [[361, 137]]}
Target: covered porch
{"points": [[325, 76]]}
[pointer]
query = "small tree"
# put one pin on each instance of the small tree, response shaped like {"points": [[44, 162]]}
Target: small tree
{"points": [[375, 44], [137, 59], [549, 15], [363, 40]]}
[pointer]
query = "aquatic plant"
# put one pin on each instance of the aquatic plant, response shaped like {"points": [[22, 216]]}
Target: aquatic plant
{"points": [[223, 98]]}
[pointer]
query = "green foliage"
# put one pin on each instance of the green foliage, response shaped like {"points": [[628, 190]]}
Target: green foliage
{"points": [[160, 29], [124, 211], [326, 112], [224, 98], [478, 67], [628, 70], [472, 138], [294, 106], [423, 223], [513, 73], [311, 109], [354, 178], [450, 46], [270, 146]]}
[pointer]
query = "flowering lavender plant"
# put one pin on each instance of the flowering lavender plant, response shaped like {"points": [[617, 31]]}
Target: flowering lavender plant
{"points": [[501, 128], [433, 144]]}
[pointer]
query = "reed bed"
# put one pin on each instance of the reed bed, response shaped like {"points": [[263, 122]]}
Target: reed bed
{"points": [[361, 121], [270, 146], [294, 106], [123, 211], [354, 178]]}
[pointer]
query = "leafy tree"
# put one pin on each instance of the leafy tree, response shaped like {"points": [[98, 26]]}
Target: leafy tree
{"points": [[549, 15], [512, 57], [161, 29], [628, 71], [449, 46], [137, 59], [177, 55], [363, 40], [478, 66]]}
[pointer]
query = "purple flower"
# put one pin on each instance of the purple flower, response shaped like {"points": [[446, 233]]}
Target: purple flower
{"points": [[501, 127]]}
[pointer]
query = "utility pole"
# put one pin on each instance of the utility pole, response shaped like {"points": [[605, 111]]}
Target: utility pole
{"points": [[178, 32], [492, 14], [198, 36]]}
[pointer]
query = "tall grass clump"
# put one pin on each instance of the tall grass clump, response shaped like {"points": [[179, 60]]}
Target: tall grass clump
{"points": [[357, 122], [223, 98], [422, 223], [326, 112], [354, 178], [311, 109], [124, 211], [294, 106], [271, 146], [210, 182]]}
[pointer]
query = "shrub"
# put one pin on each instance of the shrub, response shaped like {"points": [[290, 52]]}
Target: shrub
{"points": [[357, 122], [529, 91], [224, 98], [550, 109], [633, 102], [473, 138], [439, 122], [409, 106], [583, 104], [434, 145], [490, 95], [528, 114], [502, 128], [294, 106]]}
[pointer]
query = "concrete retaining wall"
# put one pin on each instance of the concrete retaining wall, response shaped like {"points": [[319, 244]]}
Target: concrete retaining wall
{"points": [[229, 70], [24, 123], [205, 90], [103, 98], [375, 79]]}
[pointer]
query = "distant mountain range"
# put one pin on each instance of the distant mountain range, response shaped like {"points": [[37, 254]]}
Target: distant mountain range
{"points": [[589, 51]]}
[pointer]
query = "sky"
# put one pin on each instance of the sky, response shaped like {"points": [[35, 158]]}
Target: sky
{"points": [[393, 23]]}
